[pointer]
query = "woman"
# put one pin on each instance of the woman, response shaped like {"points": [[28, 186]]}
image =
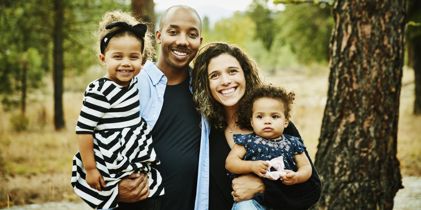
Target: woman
{"points": [[222, 76]]}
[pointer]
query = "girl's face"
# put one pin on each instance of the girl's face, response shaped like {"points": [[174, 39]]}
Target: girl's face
{"points": [[268, 119], [226, 80], [122, 59]]}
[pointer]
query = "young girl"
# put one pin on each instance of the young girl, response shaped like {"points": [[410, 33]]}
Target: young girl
{"points": [[267, 152], [114, 141]]}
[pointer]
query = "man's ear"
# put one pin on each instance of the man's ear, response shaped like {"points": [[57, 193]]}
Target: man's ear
{"points": [[101, 57], [158, 37]]}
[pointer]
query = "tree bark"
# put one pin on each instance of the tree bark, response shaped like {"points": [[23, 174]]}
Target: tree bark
{"points": [[58, 65], [356, 155]]}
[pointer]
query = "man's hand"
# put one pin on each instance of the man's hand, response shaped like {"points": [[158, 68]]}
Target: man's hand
{"points": [[246, 187], [259, 167], [94, 179], [133, 188]]}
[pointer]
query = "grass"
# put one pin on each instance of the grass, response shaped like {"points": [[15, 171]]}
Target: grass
{"points": [[36, 163]]}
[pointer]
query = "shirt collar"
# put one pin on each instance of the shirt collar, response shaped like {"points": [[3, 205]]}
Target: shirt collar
{"points": [[154, 73]]}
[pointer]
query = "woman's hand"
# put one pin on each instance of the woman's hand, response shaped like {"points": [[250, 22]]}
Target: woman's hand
{"points": [[133, 188], [246, 187]]}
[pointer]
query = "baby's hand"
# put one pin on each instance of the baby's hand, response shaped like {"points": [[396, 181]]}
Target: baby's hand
{"points": [[94, 179], [290, 177], [259, 167]]}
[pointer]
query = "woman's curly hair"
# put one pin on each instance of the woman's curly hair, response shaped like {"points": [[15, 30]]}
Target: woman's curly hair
{"points": [[202, 96], [265, 91]]}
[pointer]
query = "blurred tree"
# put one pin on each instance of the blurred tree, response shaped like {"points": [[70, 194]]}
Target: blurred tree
{"points": [[144, 10], [356, 155], [414, 48], [232, 30], [22, 44], [264, 22], [26, 47], [58, 66], [306, 29]]}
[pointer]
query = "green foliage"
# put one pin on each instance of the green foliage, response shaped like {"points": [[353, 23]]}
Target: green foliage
{"points": [[299, 34], [238, 29], [26, 28], [263, 18], [306, 29], [22, 43], [81, 24], [414, 19], [19, 122]]}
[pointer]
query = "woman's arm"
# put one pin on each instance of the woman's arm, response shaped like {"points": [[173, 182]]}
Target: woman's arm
{"points": [[235, 163]]}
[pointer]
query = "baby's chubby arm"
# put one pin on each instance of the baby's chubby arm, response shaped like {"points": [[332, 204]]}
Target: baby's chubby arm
{"points": [[235, 163], [303, 173]]}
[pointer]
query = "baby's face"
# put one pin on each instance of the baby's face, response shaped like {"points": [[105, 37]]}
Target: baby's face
{"points": [[268, 119]]}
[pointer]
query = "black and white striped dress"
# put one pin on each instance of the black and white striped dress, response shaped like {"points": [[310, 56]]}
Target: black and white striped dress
{"points": [[122, 142]]}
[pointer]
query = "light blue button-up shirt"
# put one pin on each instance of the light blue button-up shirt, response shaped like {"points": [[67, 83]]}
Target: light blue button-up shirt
{"points": [[152, 84]]}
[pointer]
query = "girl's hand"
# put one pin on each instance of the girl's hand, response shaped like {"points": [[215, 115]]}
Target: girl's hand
{"points": [[259, 167], [94, 179], [290, 177]]}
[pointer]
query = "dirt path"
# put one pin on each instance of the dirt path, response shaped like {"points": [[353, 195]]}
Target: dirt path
{"points": [[408, 198]]}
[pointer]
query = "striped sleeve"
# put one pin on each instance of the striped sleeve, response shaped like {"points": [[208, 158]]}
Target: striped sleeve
{"points": [[94, 106]]}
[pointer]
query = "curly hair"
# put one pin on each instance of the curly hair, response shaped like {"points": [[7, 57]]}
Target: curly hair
{"points": [[202, 96], [148, 52], [265, 91]]}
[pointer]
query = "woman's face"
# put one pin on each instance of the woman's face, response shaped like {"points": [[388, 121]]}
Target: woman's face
{"points": [[226, 80]]}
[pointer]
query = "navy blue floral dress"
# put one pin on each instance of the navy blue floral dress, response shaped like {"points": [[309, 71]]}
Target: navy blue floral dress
{"points": [[259, 148]]}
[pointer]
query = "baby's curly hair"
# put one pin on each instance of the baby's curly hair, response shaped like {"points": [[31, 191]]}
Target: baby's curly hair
{"points": [[245, 110]]}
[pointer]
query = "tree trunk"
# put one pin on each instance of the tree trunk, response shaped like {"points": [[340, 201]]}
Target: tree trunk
{"points": [[144, 9], [416, 61], [24, 88], [356, 155], [58, 65]]}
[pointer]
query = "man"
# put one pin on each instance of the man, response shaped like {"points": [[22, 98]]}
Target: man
{"points": [[167, 105]]}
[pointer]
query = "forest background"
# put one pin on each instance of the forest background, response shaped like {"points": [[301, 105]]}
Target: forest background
{"points": [[37, 140]]}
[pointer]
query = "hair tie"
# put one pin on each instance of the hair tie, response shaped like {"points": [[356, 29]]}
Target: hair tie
{"points": [[139, 30]]}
